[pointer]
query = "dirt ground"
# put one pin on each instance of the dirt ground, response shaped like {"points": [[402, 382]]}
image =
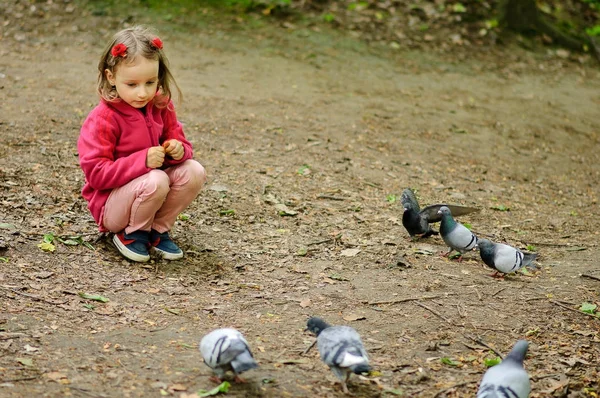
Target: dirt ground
{"points": [[307, 135]]}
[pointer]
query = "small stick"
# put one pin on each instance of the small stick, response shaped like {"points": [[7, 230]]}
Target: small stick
{"points": [[36, 298], [319, 242], [573, 309], [536, 378], [403, 300], [464, 383], [309, 347], [10, 336], [478, 294], [480, 342], [330, 197], [590, 276], [536, 298], [19, 379], [434, 312], [494, 295]]}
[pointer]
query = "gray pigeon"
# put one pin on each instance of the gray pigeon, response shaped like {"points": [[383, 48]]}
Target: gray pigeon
{"points": [[503, 258], [224, 350], [341, 349], [507, 379], [417, 220], [457, 236]]}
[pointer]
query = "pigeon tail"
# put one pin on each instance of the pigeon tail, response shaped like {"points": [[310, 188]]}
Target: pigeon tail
{"points": [[360, 368], [243, 362]]}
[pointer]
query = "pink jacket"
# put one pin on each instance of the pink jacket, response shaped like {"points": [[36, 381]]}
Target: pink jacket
{"points": [[113, 144]]}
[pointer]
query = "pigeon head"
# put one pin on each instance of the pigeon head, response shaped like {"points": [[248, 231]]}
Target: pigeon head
{"points": [[444, 211], [316, 325], [484, 244], [518, 352]]}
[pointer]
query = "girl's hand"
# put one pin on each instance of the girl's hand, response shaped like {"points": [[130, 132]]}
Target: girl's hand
{"points": [[174, 149], [155, 157]]}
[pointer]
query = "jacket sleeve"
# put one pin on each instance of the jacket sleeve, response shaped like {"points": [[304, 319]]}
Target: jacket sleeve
{"points": [[174, 130], [96, 147]]}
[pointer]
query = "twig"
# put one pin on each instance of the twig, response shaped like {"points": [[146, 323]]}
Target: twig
{"points": [[330, 197], [550, 244], [19, 379], [536, 378], [402, 300], [478, 294], [319, 242], [309, 347], [494, 295], [573, 309], [434, 312], [480, 342], [464, 383], [36, 298], [536, 298], [10, 336], [590, 276], [86, 392]]}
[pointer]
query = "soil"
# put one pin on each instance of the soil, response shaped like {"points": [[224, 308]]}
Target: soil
{"points": [[309, 136]]}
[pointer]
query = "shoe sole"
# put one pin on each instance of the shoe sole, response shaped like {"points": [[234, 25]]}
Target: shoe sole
{"points": [[169, 256], [140, 258]]}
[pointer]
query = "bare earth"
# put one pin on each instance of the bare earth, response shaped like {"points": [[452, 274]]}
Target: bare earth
{"points": [[306, 136]]}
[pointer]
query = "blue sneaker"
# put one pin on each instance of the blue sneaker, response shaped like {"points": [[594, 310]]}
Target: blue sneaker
{"points": [[133, 246], [165, 246]]}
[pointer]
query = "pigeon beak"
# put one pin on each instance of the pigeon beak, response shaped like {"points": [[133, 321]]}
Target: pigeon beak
{"points": [[439, 212]]}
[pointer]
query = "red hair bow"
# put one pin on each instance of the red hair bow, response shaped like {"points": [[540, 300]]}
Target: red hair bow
{"points": [[156, 42], [119, 50]]}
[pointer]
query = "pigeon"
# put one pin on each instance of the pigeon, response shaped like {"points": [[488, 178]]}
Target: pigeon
{"points": [[226, 349], [417, 220], [341, 349], [457, 236], [507, 379], [503, 258]]}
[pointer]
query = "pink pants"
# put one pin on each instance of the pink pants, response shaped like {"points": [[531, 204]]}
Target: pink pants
{"points": [[154, 200]]}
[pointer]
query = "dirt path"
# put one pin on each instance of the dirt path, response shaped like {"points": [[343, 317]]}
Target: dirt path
{"points": [[326, 129]]}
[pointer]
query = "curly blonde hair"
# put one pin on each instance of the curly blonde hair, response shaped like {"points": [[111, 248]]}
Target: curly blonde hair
{"points": [[139, 42]]}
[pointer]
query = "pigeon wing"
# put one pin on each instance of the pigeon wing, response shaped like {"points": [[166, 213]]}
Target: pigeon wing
{"points": [[341, 346], [505, 378], [217, 348]]}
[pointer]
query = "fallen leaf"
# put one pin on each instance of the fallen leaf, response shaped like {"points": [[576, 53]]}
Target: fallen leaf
{"points": [[55, 376], [177, 387], [221, 388], [29, 348], [95, 297], [350, 252], [305, 303], [353, 317], [25, 361]]}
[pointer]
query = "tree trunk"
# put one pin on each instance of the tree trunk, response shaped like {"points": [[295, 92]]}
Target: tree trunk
{"points": [[520, 15], [523, 16]]}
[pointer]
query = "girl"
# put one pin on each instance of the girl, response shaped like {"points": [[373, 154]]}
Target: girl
{"points": [[138, 166]]}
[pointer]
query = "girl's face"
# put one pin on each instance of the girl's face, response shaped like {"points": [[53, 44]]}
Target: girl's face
{"points": [[135, 82]]}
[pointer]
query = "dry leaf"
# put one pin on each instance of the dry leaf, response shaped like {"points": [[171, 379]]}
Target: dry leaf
{"points": [[305, 303], [350, 252], [55, 376], [353, 317], [177, 387]]}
